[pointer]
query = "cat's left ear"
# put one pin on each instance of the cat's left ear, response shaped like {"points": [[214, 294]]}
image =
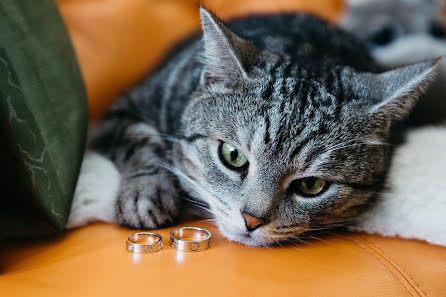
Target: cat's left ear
{"points": [[227, 57], [394, 93]]}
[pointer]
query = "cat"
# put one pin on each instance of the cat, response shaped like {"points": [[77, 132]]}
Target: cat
{"points": [[402, 32], [275, 124]]}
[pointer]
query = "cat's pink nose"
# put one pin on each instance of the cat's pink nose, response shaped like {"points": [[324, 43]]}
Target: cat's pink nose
{"points": [[251, 222]]}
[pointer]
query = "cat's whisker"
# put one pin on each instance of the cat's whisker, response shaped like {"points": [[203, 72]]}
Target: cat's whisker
{"points": [[294, 244], [343, 146], [194, 201], [299, 239], [196, 187], [266, 246], [315, 238], [349, 142], [191, 182], [213, 220], [208, 220], [169, 138], [277, 242], [353, 143], [186, 178], [203, 207], [198, 204]]}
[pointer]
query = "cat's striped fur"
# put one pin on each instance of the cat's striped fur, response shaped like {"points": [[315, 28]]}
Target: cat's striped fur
{"points": [[299, 99]]}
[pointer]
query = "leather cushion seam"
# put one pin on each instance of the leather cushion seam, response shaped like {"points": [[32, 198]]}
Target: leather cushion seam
{"points": [[400, 267], [393, 266], [366, 247]]}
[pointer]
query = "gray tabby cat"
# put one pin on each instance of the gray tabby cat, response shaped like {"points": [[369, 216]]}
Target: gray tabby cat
{"points": [[278, 125]]}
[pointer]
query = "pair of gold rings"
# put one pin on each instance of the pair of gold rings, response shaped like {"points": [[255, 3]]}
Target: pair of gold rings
{"points": [[185, 239]]}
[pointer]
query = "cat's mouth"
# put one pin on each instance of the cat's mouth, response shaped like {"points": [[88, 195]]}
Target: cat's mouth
{"points": [[245, 237]]}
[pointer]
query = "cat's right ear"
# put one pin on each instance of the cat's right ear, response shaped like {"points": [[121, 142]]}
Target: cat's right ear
{"points": [[400, 89], [227, 57], [393, 94]]}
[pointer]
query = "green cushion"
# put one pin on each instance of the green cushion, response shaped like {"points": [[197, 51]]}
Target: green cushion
{"points": [[43, 118]]}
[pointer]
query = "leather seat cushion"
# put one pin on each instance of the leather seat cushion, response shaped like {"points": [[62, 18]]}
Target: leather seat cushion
{"points": [[117, 41], [93, 261]]}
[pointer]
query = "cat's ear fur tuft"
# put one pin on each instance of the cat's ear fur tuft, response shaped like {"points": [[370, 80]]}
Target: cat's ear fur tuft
{"points": [[392, 94], [401, 88], [227, 57]]}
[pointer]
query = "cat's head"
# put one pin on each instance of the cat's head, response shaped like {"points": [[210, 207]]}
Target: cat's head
{"points": [[398, 32], [277, 147]]}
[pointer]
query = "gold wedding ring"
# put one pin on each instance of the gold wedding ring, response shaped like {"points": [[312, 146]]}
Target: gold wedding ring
{"points": [[190, 239], [144, 242]]}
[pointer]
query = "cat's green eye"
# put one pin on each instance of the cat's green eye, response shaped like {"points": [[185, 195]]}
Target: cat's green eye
{"points": [[232, 156], [310, 186]]}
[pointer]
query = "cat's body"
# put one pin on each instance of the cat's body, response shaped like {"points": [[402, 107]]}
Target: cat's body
{"points": [[253, 129]]}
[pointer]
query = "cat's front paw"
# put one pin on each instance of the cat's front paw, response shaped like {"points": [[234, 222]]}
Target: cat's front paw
{"points": [[147, 202]]}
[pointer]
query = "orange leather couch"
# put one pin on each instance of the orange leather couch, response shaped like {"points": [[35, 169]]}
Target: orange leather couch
{"points": [[116, 42]]}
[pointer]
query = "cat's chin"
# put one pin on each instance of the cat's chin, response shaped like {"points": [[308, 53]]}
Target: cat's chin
{"points": [[249, 239]]}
